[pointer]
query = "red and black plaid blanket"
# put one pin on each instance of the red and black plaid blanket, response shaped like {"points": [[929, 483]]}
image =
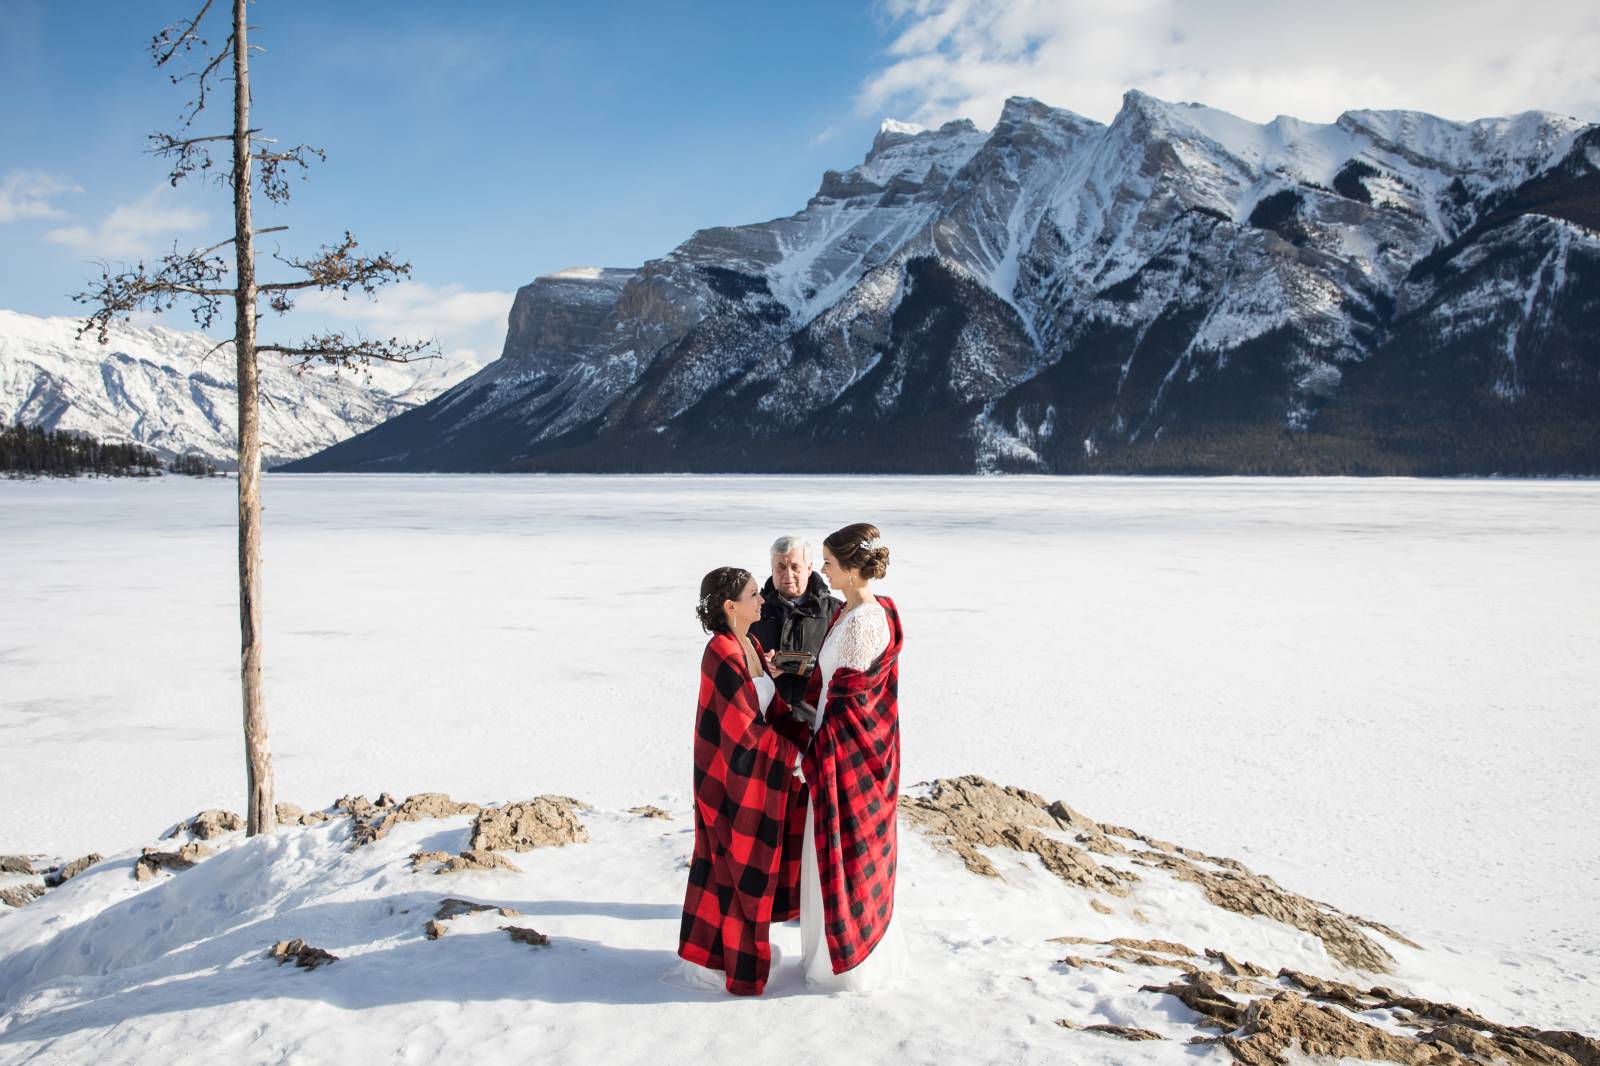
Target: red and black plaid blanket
{"points": [[749, 822], [853, 772]]}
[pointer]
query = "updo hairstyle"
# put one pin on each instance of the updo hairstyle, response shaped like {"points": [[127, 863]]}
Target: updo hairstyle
{"points": [[858, 548], [722, 584]]}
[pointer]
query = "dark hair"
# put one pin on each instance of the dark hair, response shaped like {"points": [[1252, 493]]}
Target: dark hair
{"points": [[850, 546], [722, 584]]}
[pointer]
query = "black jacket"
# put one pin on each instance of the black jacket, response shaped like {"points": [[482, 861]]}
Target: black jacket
{"points": [[799, 627]]}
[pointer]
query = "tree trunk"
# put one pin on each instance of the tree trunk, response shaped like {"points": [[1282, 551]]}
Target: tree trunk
{"points": [[261, 816]]}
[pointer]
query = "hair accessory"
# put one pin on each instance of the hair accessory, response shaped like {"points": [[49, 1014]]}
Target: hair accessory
{"points": [[872, 545]]}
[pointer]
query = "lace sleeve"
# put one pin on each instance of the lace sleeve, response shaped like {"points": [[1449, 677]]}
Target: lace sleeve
{"points": [[865, 637]]}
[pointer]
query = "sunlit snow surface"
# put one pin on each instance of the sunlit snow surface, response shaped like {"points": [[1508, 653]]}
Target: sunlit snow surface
{"points": [[1382, 693]]}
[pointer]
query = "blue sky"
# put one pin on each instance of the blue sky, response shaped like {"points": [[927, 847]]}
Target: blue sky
{"points": [[491, 142], [488, 143]]}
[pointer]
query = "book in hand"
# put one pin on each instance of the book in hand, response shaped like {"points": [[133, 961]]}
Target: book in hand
{"points": [[793, 662]]}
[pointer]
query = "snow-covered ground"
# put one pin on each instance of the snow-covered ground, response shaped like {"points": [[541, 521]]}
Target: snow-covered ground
{"points": [[1381, 693]]}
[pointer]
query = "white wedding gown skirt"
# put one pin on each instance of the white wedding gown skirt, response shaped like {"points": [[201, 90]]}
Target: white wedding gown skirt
{"points": [[857, 637], [882, 969]]}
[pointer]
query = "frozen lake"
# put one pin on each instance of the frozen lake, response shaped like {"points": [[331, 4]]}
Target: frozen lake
{"points": [[1383, 693]]}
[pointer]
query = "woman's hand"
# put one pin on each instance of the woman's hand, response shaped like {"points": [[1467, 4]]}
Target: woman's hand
{"points": [[766, 664]]}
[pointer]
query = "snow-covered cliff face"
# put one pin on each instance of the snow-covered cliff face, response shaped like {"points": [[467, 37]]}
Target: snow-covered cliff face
{"points": [[171, 392], [1178, 290]]}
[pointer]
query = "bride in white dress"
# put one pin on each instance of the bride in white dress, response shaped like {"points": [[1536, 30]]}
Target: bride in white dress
{"points": [[858, 637]]}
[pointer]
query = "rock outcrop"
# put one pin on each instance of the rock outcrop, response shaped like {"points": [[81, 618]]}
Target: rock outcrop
{"points": [[155, 860], [58, 876], [542, 822], [207, 825], [452, 908], [289, 814], [21, 895], [301, 954], [966, 814], [372, 821], [523, 935], [466, 860], [1265, 1020]]}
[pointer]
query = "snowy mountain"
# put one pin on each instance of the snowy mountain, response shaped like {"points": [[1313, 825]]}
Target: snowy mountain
{"points": [[1180, 290], [169, 391]]}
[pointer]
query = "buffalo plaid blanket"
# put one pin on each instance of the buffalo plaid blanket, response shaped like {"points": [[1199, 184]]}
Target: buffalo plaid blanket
{"points": [[853, 772], [749, 822]]}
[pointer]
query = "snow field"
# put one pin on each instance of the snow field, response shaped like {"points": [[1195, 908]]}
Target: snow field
{"points": [[1378, 692]]}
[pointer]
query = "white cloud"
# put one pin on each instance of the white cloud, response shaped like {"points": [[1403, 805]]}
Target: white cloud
{"points": [[27, 194], [134, 229], [825, 136], [962, 58], [467, 325]]}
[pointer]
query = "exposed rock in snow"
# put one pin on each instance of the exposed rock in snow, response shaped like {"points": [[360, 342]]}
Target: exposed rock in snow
{"points": [[58, 876], [207, 825], [154, 860], [476, 860], [969, 813], [542, 822], [454, 908], [374, 820], [524, 935], [21, 895], [289, 814], [1272, 1030], [301, 954]]}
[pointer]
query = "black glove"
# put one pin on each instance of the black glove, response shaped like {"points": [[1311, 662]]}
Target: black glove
{"points": [[806, 713]]}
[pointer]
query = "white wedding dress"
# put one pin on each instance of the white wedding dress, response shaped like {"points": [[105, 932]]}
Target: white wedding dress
{"points": [[856, 639], [765, 689]]}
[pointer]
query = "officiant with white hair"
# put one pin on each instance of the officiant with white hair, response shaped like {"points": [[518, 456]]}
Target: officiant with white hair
{"points": [[796, 610]]}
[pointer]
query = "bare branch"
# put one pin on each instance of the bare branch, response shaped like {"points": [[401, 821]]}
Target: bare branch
{"points": [[179, 274], [274, 180], [339, 267], [164, 45], [230, 240], [190, 155], [344, 351], [172, 143], [202, 80], [184, 37], [213, 350]]}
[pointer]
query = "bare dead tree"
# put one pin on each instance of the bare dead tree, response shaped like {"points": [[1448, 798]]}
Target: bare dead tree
{"points": [[200, 278]]}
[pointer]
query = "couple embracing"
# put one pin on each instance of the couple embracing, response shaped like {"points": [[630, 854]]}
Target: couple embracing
{"points": [[796, 774]]}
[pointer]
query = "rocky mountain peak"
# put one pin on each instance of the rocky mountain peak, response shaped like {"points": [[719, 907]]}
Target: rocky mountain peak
{"points": [[905, 159], [1184, 290], [892, 132]]}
